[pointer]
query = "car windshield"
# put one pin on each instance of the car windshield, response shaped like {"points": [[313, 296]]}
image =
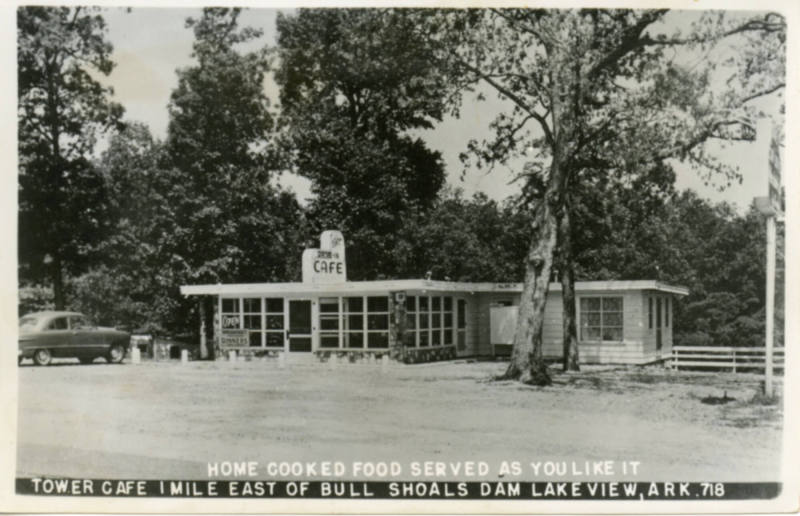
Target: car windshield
{"points": [[28, 323]]}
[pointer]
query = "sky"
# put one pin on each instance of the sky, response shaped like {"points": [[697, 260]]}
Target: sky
{"points": [[151, 43]]}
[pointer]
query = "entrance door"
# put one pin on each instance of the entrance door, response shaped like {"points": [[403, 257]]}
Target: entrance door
{"points": [[299, 331]]}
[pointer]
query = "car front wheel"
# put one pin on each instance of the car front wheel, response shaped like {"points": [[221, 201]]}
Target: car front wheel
{"points": [[115, 354], [42, 357]]}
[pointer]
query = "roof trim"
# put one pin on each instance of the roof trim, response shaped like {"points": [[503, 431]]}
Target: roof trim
{"points": [[415, 284]]}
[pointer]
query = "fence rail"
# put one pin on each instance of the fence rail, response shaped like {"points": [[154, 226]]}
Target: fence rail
{"points": [[732, 358]]}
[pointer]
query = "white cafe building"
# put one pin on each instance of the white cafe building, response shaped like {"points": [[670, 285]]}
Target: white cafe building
{"points": [[417, 320]]}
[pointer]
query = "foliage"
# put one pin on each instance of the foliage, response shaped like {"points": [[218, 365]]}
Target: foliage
{"points": [[199, 207], [34, 298], [599, 103], [135, 284], [686, 240], [232, 223], [462, 239], [592, 92], [353, 82], [61, 110]]}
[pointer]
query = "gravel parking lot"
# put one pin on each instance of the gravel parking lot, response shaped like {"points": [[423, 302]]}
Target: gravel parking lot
{"points": [[168, 420]]}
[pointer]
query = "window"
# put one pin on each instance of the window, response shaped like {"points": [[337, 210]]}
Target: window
{"points": [[667, 305], [262, 318], [252, 319], [378, 322], [436, 321], [230, 319], [601, 318], [329, 322], [273, 318], [353, 322], [650, 313], [79, 323], [28, 323], [447, 321], [59, 323], [424, 325], [429, 321], [461, 325], [658, 313]]}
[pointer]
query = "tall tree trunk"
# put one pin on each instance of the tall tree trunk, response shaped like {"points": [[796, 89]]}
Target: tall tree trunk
{"points": [[570, 330], [58, 283], [527, 364]]}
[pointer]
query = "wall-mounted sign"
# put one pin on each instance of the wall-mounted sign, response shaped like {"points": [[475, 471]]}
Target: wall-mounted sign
{"points": [[234, 339], [326, 264], [775, 189], [230, 321], [768, 148]]}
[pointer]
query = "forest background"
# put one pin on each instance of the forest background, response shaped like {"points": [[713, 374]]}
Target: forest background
{"points": [[114, 234]]}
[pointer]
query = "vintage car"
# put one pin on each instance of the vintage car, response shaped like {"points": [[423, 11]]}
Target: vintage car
{"points": [[47, 335]]}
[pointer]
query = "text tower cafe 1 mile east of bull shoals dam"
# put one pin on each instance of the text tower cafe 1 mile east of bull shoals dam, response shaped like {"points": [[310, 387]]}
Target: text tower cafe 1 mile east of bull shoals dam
{"points": [[421, 320]]}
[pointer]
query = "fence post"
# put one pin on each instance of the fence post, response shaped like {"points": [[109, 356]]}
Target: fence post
{"points": [[734, 360]]}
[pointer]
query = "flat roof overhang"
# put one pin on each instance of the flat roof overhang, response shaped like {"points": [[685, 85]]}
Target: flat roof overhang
{"points": [[265, 289]]}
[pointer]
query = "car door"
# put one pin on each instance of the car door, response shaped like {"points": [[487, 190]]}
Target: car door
{"points": [[85, 339], [56, 336]]}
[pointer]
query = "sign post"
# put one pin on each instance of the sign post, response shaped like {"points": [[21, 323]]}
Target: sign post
{"points": [[772, 207], [770, 330]]}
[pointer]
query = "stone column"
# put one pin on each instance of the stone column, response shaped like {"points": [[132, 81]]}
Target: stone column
{"points": [[397, 324], [201, 308]]}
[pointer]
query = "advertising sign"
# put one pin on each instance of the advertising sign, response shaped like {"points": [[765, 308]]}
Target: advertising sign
{"points": [[326, 264], [234, 339], [768, 141]]}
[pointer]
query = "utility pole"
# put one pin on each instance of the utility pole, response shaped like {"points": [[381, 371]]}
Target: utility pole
{"points": [[770, 323], [772, 207]]}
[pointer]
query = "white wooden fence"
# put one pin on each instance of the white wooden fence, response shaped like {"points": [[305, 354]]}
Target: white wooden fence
{"points": [[724, 357]]}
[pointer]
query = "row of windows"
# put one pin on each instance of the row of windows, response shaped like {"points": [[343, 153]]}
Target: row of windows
{"points": [[353, 322], [264, 317], [343, 321], [430, 321], [602, 317], [356, 322]]}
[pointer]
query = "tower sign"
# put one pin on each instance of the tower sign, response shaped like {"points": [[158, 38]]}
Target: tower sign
{"points": [[326, 264]]}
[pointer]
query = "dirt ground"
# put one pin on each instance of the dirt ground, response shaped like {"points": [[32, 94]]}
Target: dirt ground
{"points": [[168, 421]]}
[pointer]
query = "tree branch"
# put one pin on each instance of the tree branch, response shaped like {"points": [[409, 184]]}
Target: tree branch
{"points": [[764, 92], [512, 97]]}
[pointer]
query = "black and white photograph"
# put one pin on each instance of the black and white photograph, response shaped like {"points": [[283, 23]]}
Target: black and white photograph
{"points": [[423, 258]]}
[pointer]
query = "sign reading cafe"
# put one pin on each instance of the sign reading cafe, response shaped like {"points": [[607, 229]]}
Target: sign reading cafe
{"points": [[326, 264]]}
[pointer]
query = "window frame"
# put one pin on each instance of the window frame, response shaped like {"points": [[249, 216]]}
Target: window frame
{"points": [[583, 316], [436, 335], [263, 316]]}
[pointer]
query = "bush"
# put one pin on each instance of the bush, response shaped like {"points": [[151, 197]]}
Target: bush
{"points": [[35, 298], [697, 338]]}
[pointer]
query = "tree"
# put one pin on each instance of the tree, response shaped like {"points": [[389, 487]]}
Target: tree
{"points": [[134, 284], [473, 239], [233, 223], [682, 239], [61, 110], [602, 94], [354, 82]]}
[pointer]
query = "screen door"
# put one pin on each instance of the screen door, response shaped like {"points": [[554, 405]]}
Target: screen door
{"points": [[299, 325]]}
